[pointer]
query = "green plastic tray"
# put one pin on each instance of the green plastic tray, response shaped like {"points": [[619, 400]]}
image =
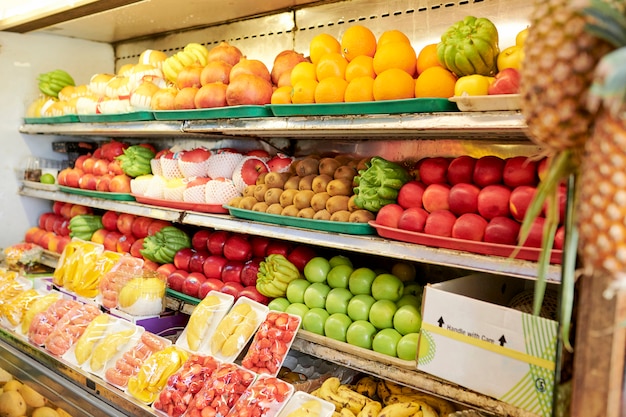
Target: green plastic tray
{"points": [[111, 118], [184, 297], [68, 118], [228, 112], [322, 225], [415, 105], [98, 194]]}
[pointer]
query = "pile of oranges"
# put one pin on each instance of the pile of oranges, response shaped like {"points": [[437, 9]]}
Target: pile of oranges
{"points": [[358, 67]]}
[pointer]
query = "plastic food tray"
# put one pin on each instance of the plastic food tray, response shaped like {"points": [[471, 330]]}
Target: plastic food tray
{"points": [[488, 103], [181, 205], [121, 117], [68, 118], [416, 105], [228, 112], [482, 248], [98, 194], [322, 225]]}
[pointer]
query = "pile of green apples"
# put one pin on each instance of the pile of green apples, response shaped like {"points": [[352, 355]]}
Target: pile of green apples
{"points": [[372, 309]]}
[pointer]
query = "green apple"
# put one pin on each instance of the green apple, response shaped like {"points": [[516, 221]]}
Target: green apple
{"points": [[381, 314], [413, 288], [407, 346], [295, 290], [297, 309], [278, 304], [361, 333], [337, 300], [386, 342], [339, 260], [407, 319], [336, 326], [359, 307], [387, 287], [339, 276], [410, 299], [361, 280], [315, 295], [316, 269], [314, 319]]}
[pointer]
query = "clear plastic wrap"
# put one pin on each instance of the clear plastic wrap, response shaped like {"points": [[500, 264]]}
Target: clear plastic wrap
{"points": [[43, 322], [70, 327], [266, 397]]}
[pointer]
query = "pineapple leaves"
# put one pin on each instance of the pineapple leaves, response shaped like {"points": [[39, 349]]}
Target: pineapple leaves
{"points": [[568, 276], [607, 23]]}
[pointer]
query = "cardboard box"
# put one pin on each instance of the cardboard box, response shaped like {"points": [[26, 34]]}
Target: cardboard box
{"points": [[472, 338]]}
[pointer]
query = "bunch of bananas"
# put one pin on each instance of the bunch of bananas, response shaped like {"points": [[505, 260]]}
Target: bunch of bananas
{"points": [[163, 245], [154, 372], [234, 330], [275, 274], [192, 54], [135, 160], [84, 225], [50, 83]]}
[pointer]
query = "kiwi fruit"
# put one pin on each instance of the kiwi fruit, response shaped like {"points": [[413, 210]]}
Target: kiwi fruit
{"points": [[306, 182], [307, 166], [302, 199], [327, 166], [320, 182], [340, 186], [290, 210], [272, 195], [261, 178], [234, 202], [343, 158], [260, 206], [286, 197], [340, 216], [321, 215], [362, 164], [306, 213], [361, 216], [292, 183], [247, 202], [351, 203], [259, 192], [346, 172], [274, 209], [248, 190], [318, 201], [337, 203], [276, 179]]}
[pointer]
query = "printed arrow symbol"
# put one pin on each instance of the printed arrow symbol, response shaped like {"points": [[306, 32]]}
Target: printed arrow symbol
{"points": [[502, 340], [440, 321]]}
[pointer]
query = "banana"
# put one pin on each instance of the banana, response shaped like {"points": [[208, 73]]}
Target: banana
{"points": [[371, 409], [382, 390], [92, 334], [200, 319], [186, 58], [408, 409], [107, 348], [242, 333], [366, 386], [440, 405], [395, 388], [346, 413], [355, 401], [199, 51]]}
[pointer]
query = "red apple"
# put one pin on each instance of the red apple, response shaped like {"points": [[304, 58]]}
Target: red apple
{"points": [[389, 215], [232, 271], [216, 241], [215, 71], [413, 219], [87, 181], [535, 235], [156, 225], [182, 258], [44, 242], [149, 265], [136, 247], [166, 269], [488, 170], [300, 255], [199, 154], [103, 182], [559, 237], [77, 209], [113, 149], [53, 242], [249, 271], [199, 239], [115, 167], [31, 234], [37, 236], [175, 279], [100, 167], [502, 230], [260, 153], [520, 170], [232, 288], [463, 198], [506, 82], [62, 177], [520, 199], [213, 266], [211, 95], [41, 221], [252, 293], [280, 247], [410, 194], [436, 197], [440, 223], [125, 223], [140, 226], [562, 202], [120, 184], [124, 243], [259, 245], [66, 210], [189, 77], [87, 165], [78, 163], [63, 241], [56, 207], [493, 201], [434, 170], [197, 260], [191, 284], [209, 284], [109, 220], [469, 226], [73, 176], [237, 248], [99, 235], [280, 163], [250, 169], [111, 239], [50, 220], [461, 169]]}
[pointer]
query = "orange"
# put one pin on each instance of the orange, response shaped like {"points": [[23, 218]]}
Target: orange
{"points": [[302, 71], [395, 55], [359, 89], [330, 90], [358, 40], [393, 84], [323, 44], [282, 95], [435, 82], [427, 58], [331, 65], [360, 66], [303, 92], [392, 35]]}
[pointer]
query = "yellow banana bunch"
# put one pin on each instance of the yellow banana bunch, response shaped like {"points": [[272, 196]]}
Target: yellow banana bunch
{"points": [[371, 409], [342, 396], [440, 406], [92, 335], [13, 310], [108, 346], [154, 372], [408, 409], [192, 54], [234, 329], [199, 320], [39, 305], [366, 386], [310, 408]]}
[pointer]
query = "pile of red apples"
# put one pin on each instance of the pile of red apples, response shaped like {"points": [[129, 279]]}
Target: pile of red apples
{"points": [[481, 199]]}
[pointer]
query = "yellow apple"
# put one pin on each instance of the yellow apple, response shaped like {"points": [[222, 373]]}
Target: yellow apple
{"points": [[520, 39], [510, 57], [473, 85]]}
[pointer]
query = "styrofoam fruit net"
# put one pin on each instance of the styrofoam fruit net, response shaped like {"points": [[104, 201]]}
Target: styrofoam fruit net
{"points": [[195, 194], [155, 166], [193, 169], [139, 185], [156, 186], [174, 188], [222, 165], [220, 191], [170, 169], [238, 180]]}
